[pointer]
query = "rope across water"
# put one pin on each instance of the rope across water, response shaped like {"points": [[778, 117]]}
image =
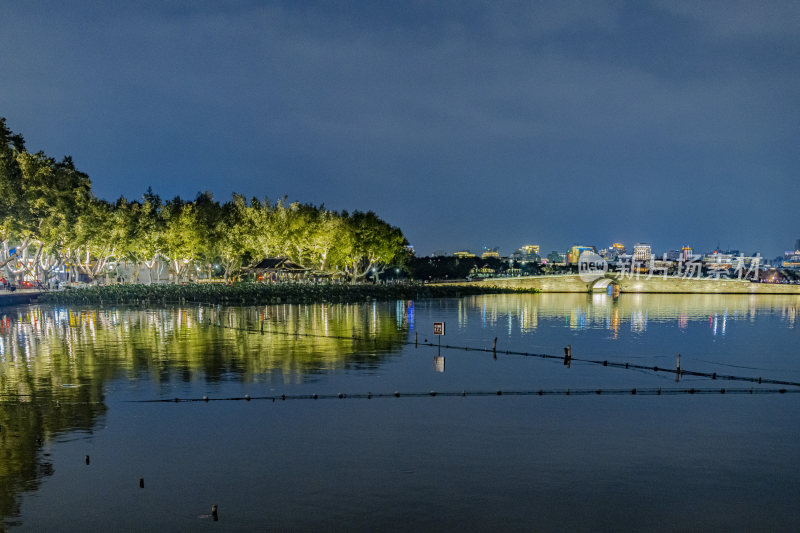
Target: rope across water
{"points": [[678, 372]]}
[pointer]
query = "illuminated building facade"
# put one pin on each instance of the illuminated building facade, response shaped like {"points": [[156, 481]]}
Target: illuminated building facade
{"points": [[574, 253], [463, 253], [529, 252], [642, 252], [791, 259]]}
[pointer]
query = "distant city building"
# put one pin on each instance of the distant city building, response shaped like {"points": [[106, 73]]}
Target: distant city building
{"points": [[410, 249], [687, 253], [490, 252], [791, 259], [527, 253], [613, 252], [674, 255], [642, 252], [556, 257], [464, 253], [439, 253], [574, 253], [719, 260], [797, 245]]}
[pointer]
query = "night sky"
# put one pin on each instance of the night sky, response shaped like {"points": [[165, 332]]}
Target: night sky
{"points": [[467, 124]]}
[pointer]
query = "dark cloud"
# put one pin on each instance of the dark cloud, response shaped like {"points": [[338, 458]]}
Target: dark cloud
{"points": [[467, 124]]}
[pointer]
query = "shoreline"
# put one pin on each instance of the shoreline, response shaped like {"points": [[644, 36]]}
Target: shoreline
{"points": [[262, 293]]}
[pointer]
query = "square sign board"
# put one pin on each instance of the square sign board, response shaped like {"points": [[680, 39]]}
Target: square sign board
{"points": [[438, 328]]}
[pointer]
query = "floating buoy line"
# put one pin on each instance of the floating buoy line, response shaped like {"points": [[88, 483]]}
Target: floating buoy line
{"points": [[650, 391], [636, 391], [567, 358]]}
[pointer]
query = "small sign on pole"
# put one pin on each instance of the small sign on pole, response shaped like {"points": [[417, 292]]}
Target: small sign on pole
{"points": [[438, 330]]}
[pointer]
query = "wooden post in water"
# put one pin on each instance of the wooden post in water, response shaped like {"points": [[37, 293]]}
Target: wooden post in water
{"points": [[416, 338], [494, 348], [568, 355], [678, 369]]}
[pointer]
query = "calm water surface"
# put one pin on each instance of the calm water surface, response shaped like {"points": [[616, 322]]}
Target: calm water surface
{"points": [[78, 381]]}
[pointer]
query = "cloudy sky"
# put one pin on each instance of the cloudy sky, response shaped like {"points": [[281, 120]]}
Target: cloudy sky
{"points": [[467, 124]]}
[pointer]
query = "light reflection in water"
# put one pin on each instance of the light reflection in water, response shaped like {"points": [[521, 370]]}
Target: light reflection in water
{"points": [[599, 311], [53, 357]]}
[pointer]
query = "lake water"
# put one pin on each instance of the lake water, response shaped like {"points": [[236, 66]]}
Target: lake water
{"points": [[78, 382]]}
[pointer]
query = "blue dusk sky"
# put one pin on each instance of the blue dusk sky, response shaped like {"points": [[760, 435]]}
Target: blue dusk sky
{"points": [[467, 124]]}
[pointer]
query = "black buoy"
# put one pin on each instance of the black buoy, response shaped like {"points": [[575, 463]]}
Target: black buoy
{"points": [[141, 482], [247, 397], [87, 460]]}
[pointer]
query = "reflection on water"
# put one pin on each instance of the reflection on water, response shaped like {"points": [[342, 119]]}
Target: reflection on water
{"points": [[60, 368], [60, 347], [54, 362], [633, 311]]}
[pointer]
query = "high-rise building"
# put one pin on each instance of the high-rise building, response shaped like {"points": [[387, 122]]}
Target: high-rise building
{"points": [[797, 245], [687, 253], [619, 248], [530, 249], [574, 253], [641, 252], [490, 252]]}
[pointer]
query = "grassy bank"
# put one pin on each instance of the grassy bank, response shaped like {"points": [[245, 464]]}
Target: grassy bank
{"points": [[261, 293]]}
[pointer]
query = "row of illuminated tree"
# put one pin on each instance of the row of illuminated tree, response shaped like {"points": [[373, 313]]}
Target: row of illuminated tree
{"points": [[49, 217]]}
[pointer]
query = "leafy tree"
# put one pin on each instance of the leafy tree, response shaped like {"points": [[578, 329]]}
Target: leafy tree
{"points": [[375, 244], [48, 215], [181, 236], [233, 240]]}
